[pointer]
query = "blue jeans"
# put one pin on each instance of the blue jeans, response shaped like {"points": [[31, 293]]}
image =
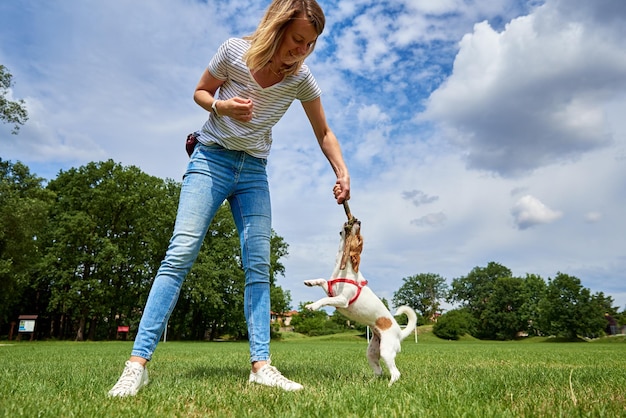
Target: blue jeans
{"points": [[213, 175]]}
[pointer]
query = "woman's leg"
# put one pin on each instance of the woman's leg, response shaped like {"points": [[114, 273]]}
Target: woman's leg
{"points": [[251, 209], [206, 184], [250, 205]]}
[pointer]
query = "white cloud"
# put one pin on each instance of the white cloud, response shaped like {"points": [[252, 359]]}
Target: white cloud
{"points": [[432, 220], [530, 211], [533, 94], [418, 197], [593, 217]]}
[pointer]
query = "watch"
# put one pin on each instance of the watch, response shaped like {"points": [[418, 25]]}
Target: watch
{"points": [[214, 107]]}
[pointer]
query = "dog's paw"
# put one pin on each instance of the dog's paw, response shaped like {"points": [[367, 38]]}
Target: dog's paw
{"points": [[315, 282], [311, 307], [394, 377]]}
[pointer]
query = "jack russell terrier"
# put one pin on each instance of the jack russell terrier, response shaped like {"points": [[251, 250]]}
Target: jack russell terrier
{"points": [[347, 291]]}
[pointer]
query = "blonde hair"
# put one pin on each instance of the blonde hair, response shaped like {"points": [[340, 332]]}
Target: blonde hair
{"points": [[269, 34]]}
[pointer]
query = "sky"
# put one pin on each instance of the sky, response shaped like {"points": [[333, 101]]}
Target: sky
{"points": [[474, 131]]}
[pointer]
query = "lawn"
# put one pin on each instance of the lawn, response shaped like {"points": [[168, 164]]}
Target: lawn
{"points": [[469, 378]]}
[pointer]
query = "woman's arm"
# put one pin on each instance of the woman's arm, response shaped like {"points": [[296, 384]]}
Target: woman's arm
{"points": [[330, 147], [204, 96]]}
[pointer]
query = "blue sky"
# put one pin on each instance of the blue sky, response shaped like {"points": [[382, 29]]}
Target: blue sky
{"points": [[474, 131]]}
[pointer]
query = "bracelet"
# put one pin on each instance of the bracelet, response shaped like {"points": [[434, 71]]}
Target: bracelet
{"points": [[214, 107]]}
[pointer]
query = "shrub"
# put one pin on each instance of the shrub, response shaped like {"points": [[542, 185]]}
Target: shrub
{"points": [[314, 323], [454, 324]]}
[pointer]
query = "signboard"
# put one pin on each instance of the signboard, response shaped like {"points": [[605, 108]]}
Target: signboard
{"points": [[123, 329], [27, 325]]}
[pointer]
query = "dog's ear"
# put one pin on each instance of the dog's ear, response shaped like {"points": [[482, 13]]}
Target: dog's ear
{"points": [[356, 247], [346, 252]]}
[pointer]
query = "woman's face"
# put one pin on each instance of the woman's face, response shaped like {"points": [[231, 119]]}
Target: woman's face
{"points": [[298, 39]]}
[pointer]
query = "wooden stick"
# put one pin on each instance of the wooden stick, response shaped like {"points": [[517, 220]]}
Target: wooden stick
{"points": [[347, 209]]}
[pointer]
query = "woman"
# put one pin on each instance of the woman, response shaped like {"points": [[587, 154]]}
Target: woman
{"points": [[247, 88]]}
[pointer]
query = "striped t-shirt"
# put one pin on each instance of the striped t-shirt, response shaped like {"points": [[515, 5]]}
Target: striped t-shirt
{"points": [[270, 103]]}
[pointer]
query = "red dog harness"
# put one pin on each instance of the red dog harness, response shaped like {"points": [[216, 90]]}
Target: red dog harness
{"points": [[350, 281]]}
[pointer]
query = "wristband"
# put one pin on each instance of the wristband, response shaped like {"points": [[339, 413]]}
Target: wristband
{"points": [[214, 107]]}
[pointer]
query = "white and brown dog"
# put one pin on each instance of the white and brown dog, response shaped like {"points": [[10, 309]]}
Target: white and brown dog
{"points": [[347, 291]]}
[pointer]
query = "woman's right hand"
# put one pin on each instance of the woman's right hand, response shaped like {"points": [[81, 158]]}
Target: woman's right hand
{"points": [[236, 108]]}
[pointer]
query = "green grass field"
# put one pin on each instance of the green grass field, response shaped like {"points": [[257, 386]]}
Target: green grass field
{"points": [[469, 378]]}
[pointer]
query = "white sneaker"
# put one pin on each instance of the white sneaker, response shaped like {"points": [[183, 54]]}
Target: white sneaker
{"points": [[270, 376], [133, 378]]}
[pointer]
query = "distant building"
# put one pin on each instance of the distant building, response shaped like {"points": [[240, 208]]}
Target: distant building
{"points": [[283, 319]]}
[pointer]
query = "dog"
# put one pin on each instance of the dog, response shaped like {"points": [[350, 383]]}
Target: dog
{"points": [[348, 292]]}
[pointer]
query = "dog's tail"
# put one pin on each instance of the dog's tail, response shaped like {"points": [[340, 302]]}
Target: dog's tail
{"points": [[410, 313]]}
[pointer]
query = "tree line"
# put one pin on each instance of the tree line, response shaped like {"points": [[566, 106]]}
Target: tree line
{"points": [[82, 250], [493, 304], [490, 303]]}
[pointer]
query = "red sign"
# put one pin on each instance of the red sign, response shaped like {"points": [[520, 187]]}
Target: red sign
{"points": [[123, 329]]}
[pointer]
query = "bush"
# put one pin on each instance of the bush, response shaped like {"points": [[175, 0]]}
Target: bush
{"points": [[454, 324], [314, 323], [344, 323]]}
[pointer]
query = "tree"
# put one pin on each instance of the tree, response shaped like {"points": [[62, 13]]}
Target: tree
{"points": [[473, 290], [279, 249], [533, 291], [280, 300], [10, 111], [344, 323], [454, 324], [599, 304], [422, 292], [500, 319], [24, 207], [502, 305], [569, 310], [314, 323], [109, 228]]}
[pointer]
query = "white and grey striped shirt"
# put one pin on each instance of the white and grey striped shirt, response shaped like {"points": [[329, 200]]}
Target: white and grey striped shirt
{"points": [[270, 104]]}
